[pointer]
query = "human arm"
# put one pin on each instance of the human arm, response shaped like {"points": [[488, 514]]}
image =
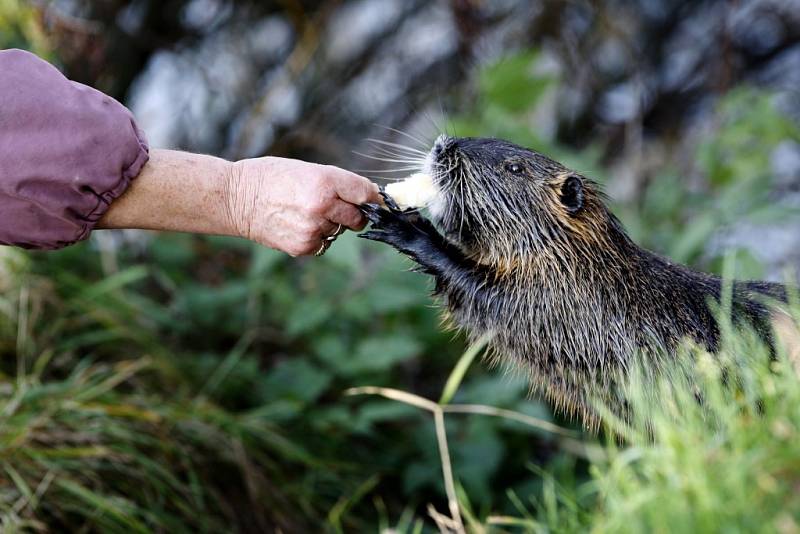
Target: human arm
{"points": [[282, 203], [69, 155]]}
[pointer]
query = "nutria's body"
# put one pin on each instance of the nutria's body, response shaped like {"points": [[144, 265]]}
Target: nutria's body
{"points": [[531, 254]]}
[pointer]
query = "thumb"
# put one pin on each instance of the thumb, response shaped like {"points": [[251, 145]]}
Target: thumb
{"points": [[353, 188]]}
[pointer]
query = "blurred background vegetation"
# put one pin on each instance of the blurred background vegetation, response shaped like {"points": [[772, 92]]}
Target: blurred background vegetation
{"points": [[178, 383]]}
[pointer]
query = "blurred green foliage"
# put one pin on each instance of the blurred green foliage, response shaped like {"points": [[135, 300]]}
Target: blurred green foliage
{"points": [[195, 384], [20, 28], [252, 350], [734, 161]]}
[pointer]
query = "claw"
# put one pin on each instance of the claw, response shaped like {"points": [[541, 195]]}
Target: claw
{"points": [[372, 208], [390, 202], [371, 212], [422, 270], [372, 235]]}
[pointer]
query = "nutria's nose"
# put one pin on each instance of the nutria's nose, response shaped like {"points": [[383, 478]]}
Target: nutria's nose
{"points": [[443, 144]]}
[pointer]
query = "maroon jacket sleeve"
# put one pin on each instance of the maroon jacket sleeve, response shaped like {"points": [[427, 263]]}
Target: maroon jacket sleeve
{"points": [[66, 152]]}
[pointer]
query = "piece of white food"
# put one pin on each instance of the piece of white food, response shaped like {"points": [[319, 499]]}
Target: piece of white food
{"points": [[416, 191]]}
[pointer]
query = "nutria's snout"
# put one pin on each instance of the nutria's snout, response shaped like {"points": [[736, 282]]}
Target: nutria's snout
{"points": [[442, 144], [442, 162]]}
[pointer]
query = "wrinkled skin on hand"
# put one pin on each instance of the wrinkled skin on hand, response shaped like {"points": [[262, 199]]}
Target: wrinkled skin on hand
{"points": [[292, 205]]}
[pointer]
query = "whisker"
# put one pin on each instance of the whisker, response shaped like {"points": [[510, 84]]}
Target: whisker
{"points": [[401, 169], [410, 157], [412, 137], [384, 178], [398, 145], [388, 160], [404, 153], [429, 117]]}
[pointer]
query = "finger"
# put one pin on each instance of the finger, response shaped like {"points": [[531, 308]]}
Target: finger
{"points": [[304, 248], [327, 228], [347, 215], [353, 188], [309, 248]]}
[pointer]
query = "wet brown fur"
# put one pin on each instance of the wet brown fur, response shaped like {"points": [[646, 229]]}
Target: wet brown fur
{"points": [[532, 255]]}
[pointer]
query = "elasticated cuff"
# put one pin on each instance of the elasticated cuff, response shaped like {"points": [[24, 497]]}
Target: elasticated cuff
{"points": [[66, 152]]}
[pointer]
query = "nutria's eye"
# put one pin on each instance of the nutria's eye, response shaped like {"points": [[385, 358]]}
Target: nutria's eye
{"points": [[514, 168], [572, 194]]}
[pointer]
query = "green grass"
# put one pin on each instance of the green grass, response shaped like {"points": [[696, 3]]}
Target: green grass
{"points": [[726, 463], [81, 450], [111, 443], [710, 445]]}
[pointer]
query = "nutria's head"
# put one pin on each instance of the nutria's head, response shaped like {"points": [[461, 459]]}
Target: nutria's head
{"points": [[499, 200]]}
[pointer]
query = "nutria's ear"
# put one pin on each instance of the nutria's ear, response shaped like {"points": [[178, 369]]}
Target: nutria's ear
{"points": [[572, 194]]}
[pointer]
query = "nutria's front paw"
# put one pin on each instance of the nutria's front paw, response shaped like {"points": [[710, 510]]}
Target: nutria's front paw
{"points": [[405, 230]]}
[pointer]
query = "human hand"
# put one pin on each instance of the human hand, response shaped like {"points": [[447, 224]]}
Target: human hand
{"points": [[292, 205]]}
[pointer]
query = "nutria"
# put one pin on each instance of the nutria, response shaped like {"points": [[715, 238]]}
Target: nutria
{"points": [[531, 254]]}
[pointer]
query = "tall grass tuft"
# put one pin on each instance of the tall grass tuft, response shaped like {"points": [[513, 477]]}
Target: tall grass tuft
{"points": [[711, 444], [106, 439], [711, 447]]}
